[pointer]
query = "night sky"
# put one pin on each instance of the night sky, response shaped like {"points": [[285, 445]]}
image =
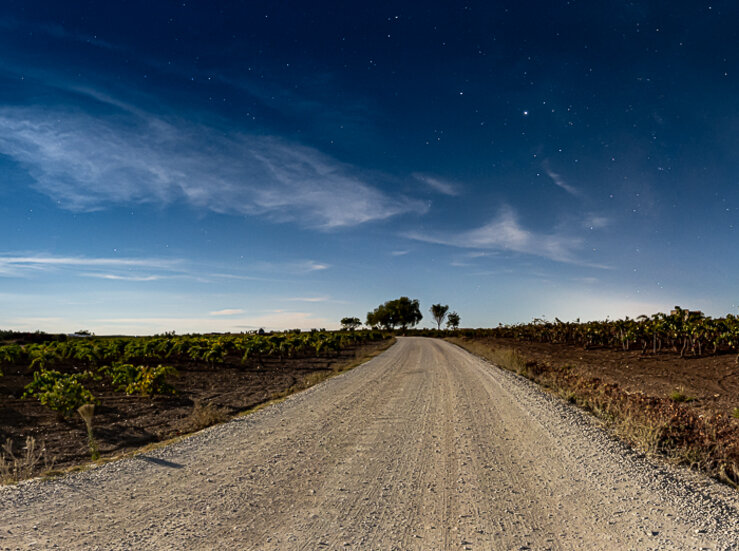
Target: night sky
{"points": [[224, 166]]}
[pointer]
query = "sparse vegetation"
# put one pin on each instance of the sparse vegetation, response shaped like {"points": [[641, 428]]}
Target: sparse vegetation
{"points": [[669, 426], [678, 395], [19, 466], [87, 412], [205, 415]]}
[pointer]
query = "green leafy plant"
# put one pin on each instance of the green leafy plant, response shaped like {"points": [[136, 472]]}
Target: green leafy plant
{"points": [[61, 392], [678, 395], [144, 380]]}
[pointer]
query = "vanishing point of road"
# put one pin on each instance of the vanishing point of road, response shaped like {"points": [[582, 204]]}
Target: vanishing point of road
{"points": [[425, 447]]}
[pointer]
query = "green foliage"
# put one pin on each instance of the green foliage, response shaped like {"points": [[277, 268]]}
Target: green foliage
{"points": [[60, 392], [678, 395], [684, 332], [143, 380], [452, 320], [350, 324], [438, 312], [402, 312], [91, 352]]}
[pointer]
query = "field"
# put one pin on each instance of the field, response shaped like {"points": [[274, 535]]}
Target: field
{"points": [[207, 379], [682, 406]]}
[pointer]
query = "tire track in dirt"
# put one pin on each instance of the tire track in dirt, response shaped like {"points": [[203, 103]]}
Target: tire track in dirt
{"points": [[424, 447]]}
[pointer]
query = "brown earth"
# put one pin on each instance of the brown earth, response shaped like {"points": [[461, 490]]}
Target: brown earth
{"points": [[426, 447], [711, 381], [123, 423]]}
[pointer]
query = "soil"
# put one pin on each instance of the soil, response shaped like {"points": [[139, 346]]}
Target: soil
{"points": [[711, 381], [425, 447], [123, 423]]}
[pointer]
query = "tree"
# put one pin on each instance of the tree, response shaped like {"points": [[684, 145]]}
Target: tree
{"points": [[452, 320], [402, 312], [350, 324], [438, 311]]}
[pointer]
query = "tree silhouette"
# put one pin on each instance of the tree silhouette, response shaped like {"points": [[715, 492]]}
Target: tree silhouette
{"points": [[350, 324], [452, 320], [402, 312], [438, 311]]}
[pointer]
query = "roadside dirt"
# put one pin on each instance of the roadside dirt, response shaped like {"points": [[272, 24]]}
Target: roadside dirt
{"points": [[123, 423], [424, 447], [712, 382]]}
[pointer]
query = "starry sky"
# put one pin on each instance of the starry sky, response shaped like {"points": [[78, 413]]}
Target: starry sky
{"points": [[225, 166]]}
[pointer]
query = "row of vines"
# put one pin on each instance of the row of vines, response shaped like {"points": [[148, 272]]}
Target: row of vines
{"points": [[208, 349], [133, 365], [682, 331]]}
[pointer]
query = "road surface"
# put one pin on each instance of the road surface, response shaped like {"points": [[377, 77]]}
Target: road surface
{"points": [[424, 447]]}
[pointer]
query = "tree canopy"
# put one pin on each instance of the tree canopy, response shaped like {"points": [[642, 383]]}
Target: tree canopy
{"points": [[438, 311], [350, 324], [402, 312], [452, 320]]}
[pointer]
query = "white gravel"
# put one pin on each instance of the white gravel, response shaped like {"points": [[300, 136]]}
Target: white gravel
{"points": [[424, 447]]}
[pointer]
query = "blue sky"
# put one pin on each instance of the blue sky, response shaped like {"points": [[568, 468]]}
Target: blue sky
{"points": [[227, 166]]}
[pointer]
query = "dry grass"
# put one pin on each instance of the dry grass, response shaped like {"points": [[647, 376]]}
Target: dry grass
{"points": [[16, 466], [205, 415], [663, 426]]}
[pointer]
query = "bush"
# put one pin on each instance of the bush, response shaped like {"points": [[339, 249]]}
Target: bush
{"points": [[141, 379], [60, 392]]}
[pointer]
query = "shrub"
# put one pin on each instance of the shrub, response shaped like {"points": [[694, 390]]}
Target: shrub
{"points": [[140, 379], [678, 395], [60, 392], [203, 416], [18, 466]]}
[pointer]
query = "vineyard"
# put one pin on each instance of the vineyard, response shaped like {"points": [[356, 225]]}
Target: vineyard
{"points": [[683, 332], [144, 389], [668, 384]]}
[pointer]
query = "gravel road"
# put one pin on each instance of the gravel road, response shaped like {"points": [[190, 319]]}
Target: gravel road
{"points": [[424, 447]]}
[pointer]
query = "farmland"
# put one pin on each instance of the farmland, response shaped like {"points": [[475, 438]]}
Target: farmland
{"points": [[669, 384], [148, 389]]}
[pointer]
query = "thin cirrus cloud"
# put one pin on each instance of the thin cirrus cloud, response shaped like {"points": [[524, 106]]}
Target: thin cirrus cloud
{"points": [[505, 233], [227, 312], [559, 181], [438, 184], [18, 264], [308, 299], [88, 163]]}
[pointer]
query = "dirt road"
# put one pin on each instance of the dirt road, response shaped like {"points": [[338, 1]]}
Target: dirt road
{"points": [[424, 447]]}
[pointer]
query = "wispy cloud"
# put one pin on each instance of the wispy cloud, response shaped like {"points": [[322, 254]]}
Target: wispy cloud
{"points": [[399, 253], [438, 184], [18, 264], [116, 277], [149, 325], [505, 233], [88, 163], [559, 181], [227, 312], [595, 222], [309, 299]]}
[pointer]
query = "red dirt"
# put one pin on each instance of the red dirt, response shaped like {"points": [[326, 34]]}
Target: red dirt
{"points": [[123, 422]]}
